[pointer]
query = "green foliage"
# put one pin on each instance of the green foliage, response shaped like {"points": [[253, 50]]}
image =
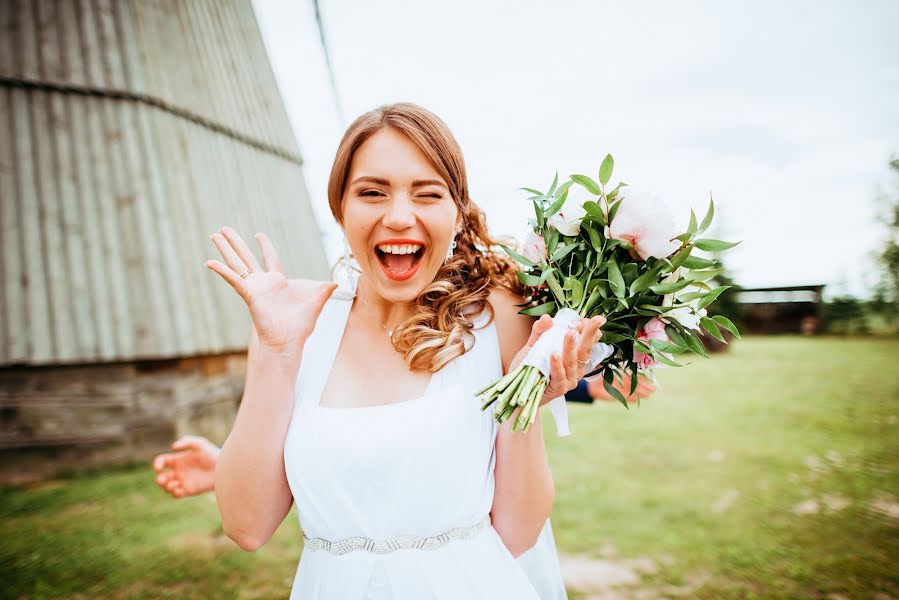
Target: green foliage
{"points": [[885, 301], [593, 274]]}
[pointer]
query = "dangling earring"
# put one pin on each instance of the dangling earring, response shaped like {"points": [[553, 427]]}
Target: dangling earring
{"points": [[347, 292], [449, 253]]}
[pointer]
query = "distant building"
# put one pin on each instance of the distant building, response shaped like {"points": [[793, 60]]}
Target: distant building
{"points": [[129, 132], [788, 309]]}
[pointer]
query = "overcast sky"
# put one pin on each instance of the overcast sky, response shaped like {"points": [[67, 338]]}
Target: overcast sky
{"points": [[788, 112]]}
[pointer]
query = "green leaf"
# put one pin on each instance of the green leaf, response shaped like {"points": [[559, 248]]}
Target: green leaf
{"points": [[517, 256], [684, 237], [669, 288], [613, 209], [542, 309], [713, 245], [691, 296], [694, 262], [577, 292], [595, 210], [527, 279], [663, 346], [541, 217], [703, 275], [592, 300], [590, 185], [557, 205], [552, 188], [610, 337], [727, 324], [613, 391], [691, 229], [710, 326], [680, 258], [643, 282], [707, 219], [710, 297], [532, 191], [675, 336], [667, 361], [605, 169], [615, 279], [561, 252], [694, 343], [555, 288], [595, 240]]}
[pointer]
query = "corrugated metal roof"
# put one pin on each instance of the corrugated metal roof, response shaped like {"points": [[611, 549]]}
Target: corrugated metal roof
{"points": [[107, 200]]}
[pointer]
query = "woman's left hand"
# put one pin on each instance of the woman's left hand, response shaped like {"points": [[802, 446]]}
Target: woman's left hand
{"points": [[569, 367]]}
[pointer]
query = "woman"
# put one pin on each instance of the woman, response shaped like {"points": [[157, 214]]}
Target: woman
{"points": [[359, 406], [189, 470]]}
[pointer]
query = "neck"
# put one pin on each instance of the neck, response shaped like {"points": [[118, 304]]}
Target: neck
{"points": [[388, 314]]}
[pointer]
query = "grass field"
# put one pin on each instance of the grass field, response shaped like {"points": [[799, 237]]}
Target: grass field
{"points": [[769, 472]]}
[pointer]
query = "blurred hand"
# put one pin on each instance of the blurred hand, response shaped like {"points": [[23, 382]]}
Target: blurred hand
{"points": [[597, 391], [190, 470]]}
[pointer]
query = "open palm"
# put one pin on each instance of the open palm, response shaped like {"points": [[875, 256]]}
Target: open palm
{"points": [[284, 311]]}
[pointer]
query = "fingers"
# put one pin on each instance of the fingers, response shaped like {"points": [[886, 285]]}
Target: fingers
{"points": [[321, 296], [540, 326], [161, 462], [269, 256], [556, 372], [569, 353], [233, 279], [244, 254], [589, 333], [189, 442]]}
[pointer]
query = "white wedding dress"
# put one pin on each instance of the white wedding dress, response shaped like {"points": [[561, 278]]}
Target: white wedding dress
{"points": [[417, 468]]}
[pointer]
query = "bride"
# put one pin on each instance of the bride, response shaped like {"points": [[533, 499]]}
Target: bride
{"points": [[359, 405]]}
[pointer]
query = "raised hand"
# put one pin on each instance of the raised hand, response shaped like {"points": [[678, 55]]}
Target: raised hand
{"points": [[284, 311], [190, 469]]}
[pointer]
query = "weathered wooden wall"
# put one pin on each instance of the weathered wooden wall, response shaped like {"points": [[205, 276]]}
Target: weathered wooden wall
{"points": [[131, 131]]}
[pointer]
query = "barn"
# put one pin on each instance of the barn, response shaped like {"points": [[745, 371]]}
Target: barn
{"points": [[129, 132]]}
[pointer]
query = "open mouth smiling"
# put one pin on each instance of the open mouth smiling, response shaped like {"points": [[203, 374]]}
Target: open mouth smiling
{"points": [[399, 258]]}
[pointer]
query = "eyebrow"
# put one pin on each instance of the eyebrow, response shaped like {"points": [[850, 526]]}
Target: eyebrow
{"points": [[382, 181]]}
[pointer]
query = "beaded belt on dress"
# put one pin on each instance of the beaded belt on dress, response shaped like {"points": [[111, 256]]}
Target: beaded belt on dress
{"points": [[399, 542]]}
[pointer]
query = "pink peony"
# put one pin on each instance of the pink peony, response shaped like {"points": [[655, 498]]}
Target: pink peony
{"points": [[534, 248], [653, 330], [644, 222]]}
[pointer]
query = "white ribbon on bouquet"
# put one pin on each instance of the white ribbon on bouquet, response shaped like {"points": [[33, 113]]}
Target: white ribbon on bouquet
{"points": [[552, 341]]}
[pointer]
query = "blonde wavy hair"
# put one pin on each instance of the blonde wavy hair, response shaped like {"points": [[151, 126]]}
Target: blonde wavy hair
{"points": [[440, 327]]}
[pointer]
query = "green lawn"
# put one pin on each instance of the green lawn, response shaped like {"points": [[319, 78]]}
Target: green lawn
{"points": [[770, 472]]}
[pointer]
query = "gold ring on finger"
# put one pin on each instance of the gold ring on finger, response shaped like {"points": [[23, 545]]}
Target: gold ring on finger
{"points": [[245, 273], [584, 362]]}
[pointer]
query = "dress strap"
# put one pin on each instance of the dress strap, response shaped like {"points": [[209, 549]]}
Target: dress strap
{"points": [[321, 348]]}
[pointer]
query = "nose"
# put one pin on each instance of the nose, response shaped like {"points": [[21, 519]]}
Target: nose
{"points": [[400, 213]]}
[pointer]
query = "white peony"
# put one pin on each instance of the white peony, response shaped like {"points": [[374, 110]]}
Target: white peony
{"points": [[686, 316], [568, 220], [644, 221]]}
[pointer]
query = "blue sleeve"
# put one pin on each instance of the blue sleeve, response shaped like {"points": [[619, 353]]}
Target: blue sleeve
{"points": [[580, 393]]}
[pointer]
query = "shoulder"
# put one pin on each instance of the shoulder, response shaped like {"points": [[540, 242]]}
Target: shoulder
{"points": [[512, 329]]}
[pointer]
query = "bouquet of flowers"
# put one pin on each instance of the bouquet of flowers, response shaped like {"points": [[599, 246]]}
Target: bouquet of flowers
{"points": [[595, 249]]}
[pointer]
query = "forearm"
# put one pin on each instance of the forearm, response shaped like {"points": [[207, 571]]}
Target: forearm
{"points": [[250, 482], [524, 487]]}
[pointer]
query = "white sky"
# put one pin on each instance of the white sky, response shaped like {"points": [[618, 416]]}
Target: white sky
{"points": [[787, 111]]}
